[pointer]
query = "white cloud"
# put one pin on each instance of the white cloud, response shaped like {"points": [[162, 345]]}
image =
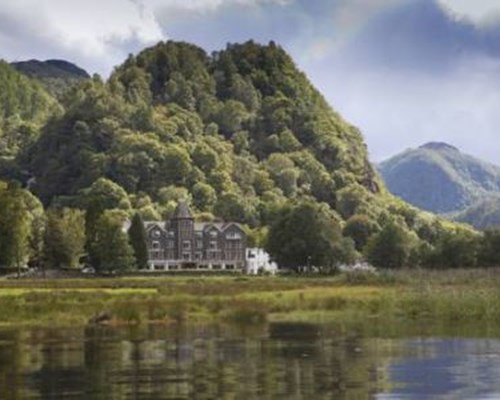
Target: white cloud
{"points": [[88, 31], [97, 34], [400, 110], [478, 11], [203, 5]]}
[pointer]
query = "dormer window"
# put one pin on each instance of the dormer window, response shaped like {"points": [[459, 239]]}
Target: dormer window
{"points": [[156, 233], [213, 234], [233, 236]]}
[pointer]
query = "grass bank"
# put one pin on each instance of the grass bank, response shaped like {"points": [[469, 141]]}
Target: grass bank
{"points": [[459, 295]]}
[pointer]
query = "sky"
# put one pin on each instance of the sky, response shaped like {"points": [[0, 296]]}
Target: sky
{"points": [[404, 71]]}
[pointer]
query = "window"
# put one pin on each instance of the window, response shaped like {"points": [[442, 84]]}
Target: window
{"points": [[213, 244], [156, 244], [170, 244], [156, 255], [186, 244], [199, 244], [186, 256], [171, 234], [212, 254], [156, 233], [233, 236], [213, 233]]}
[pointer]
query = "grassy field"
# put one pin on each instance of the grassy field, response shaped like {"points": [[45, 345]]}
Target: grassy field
{"points": [[459, 295]]}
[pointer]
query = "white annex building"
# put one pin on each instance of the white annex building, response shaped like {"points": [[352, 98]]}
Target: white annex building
{"points": [[259, 261]]}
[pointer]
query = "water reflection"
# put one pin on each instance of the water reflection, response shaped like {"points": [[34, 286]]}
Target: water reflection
{"points": [[447, 369], [292, 361]]}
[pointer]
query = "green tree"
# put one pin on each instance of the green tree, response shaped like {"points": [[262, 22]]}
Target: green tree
{"points": [[288, 141], [231, 117], [204, 196], [489, 254], [110, 249], [102, 195], [359, 228], [15, 227], [308, 234], [457, 249], [232, 207], [352, 200], [390, 248], [172, 193], [64, 238], [138, 241]]}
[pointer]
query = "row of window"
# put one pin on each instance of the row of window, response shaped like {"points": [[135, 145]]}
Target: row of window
{"points": [[186, 245], [156, 234], [211, 255], [194, 266]]}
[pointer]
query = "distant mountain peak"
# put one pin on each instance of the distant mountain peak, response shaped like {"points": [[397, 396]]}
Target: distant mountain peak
{"points": [[69, 67], [57, 76], [50, 69], [438, 177], [440, 146]]}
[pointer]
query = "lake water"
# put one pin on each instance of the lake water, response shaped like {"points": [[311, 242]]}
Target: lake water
{"points": [[275, 361]]}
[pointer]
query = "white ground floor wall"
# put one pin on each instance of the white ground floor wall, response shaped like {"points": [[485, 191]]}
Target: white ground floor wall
{"points": [[175, 265], [256, 261]]}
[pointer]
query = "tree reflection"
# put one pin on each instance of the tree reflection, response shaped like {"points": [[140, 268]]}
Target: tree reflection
{"points": [[280, 361]]}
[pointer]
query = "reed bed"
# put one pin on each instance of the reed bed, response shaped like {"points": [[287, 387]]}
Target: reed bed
{"points": [[459, 295]]}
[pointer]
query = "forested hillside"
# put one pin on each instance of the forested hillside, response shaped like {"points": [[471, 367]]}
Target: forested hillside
{"points": [[24, 107], [243, 135], [241, 131]]}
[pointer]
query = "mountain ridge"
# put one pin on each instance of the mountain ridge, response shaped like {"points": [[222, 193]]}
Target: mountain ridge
{"points": [[440, 178], [50, 68], [57, 76]]}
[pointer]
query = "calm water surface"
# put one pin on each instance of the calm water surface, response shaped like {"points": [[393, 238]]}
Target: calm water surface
{"points": [[276, 361]]}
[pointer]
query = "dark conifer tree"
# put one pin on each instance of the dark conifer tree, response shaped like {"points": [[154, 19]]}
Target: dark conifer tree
{"points": [[137, 237]]}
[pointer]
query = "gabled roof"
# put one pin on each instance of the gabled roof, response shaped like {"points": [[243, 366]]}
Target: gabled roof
{"points": [[148, 225], [220, 226], [182, 211]]}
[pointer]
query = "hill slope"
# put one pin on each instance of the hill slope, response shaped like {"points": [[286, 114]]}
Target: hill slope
{"points": [[438, 177], [24, 107], [56, 75], [244, 121], [483, 214]]}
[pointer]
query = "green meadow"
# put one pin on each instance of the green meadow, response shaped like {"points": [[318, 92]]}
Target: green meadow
{"points": [[457, 295]]}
